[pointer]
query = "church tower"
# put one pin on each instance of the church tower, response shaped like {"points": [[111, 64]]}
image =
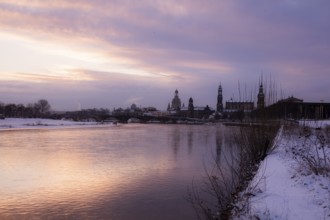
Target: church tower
{"points": [[219, 101], [261, 97], [176, 102], [191, 108]]}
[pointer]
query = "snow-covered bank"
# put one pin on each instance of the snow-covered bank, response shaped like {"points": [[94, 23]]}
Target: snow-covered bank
{"points": [[314, 124], [285, 187], [37, 123]]}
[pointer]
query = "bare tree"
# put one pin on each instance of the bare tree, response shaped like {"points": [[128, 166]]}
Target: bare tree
{"points": [[43, 106], [246, 148]]}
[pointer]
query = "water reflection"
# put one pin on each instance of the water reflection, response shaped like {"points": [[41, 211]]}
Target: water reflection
{"points": [[190, 139], [219, 143], [103, 173], [175, 137]]}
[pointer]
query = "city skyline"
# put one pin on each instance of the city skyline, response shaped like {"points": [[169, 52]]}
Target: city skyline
{"points": [[108, 54]]}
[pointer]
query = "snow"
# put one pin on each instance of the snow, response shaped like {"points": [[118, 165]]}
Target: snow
{"points": [[284, 186], [314, 124], [38, 123]]}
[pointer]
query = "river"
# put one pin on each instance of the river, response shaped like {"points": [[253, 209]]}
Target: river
{"points": [[131, 171]]}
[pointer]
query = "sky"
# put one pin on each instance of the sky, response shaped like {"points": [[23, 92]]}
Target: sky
{"points": [[113, 53]]}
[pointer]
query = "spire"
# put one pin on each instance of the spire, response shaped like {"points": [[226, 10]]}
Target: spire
{"points": [[261, 89], [191, 108], [261, 96], [219, 99], [220, 88]]}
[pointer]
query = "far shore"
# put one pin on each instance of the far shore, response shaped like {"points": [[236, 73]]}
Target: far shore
{"points": [[39, 123]]}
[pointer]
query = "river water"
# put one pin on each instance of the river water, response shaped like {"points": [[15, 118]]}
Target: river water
{"points": [[133, 171]]}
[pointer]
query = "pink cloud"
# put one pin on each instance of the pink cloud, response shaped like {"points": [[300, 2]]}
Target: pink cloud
{"points": [[190, 42]]}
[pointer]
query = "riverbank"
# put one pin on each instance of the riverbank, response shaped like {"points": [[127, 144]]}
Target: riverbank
{"points": [[286, 185], [38, 123]]}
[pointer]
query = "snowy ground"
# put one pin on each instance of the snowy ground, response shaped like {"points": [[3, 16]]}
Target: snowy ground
{"points": [[314, 124], [37, 123], [285, 186]]}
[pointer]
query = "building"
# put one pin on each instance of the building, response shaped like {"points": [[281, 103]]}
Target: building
{"points": [[176, 109], [176, 102], [232, 106], [261, 98], [196, 111], [219, 100], [294, 108], [191, 108]]}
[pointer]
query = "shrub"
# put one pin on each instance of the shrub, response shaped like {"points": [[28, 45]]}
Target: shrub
{"points": [[247, 146], [315, 150]]}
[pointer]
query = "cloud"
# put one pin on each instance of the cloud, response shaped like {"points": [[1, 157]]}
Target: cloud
{"points": [[89, 87], [135, 46]]}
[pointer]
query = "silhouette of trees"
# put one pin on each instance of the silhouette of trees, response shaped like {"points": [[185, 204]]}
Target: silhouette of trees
{"points": [[42, 107], [32, 110], [10, 110], [2, 108]]}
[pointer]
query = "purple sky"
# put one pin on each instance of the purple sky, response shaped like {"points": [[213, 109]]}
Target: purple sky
{"points": [[110, 54]]}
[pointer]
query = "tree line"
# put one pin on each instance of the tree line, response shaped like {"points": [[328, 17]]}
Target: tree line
{"points": [[33, 110]]}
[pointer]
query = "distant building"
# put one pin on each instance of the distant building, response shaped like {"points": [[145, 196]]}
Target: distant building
{"points": [[232, 106], [191, 108], [291, 99], [196, 111], [176, 102], [261, 98], [176, 109], [219, 100], [294, 108]]}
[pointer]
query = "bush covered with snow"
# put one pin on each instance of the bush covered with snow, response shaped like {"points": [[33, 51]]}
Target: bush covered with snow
{"points": [[293, 182], [313, 149]]}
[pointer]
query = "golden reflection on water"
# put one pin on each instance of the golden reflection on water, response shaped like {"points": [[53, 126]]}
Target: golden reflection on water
{"points": [[74, 169], [31, 175]]}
